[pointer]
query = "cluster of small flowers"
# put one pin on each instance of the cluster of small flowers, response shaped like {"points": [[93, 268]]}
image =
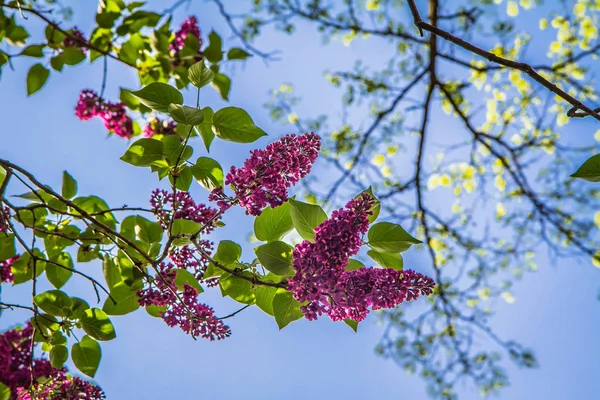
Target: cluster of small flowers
{"points": [[224, 202], [191, 316], [76, 39], [6, 275], [186, 258], [182, 206], [268, 174], [4, 218], [113, 115], [15, 372], [189, 26], [157, 127], [61, 386], [321, 279], [356, 291]]}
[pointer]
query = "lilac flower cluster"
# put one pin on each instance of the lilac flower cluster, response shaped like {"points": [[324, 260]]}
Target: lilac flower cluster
{"points": [[268, 174], [4, 217], [182, 206], [113, 115], [191, 316], [186, 258], [62, 386], [189, 26], [159, 127], [75, 40], [321, 279], [6, 275], [15, 372]]}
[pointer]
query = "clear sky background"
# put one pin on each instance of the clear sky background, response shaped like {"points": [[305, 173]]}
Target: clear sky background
{"points": [[556, 312]]}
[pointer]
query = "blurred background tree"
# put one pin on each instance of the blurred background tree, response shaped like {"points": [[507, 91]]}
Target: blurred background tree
{"points": [[485, 134]]}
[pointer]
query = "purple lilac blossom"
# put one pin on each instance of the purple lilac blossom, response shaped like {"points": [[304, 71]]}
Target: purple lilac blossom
{"points": [[268, 174], [15, 364], [113, 115], [322, 282]]}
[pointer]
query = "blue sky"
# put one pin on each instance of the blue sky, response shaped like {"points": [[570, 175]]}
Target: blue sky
{"points": [[556, 312]]}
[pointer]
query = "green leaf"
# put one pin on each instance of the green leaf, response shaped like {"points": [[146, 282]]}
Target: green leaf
{"points": [[589, 170], [264, 298], [214, 51], [87, 253], [208, 173], [238, 54], [376, 209], [274, 223], [212, 271], [58, 276], [156, 311], [158, 96], [144, 152], [78, 307], [235, 125], [184, 277], [352, 324], [184, 179], [205, 128], [276, 257], [306, 217], [7, 246], [126, 300], [4, 392], [148, 231], [228, 252], [96, 323], [286, 309], [186, 115], [86, 356], [54, 302], [36, 78], [131, 101], [386, 237], [22, 269], [34, 50], [199, 75], [174, 151], [69, 186], [237, 288], [58, 356], [387, 260], [112, 272], [72, 56], [94, 204], [45, 324], [222, 84], [354, 264], [185, 227]]}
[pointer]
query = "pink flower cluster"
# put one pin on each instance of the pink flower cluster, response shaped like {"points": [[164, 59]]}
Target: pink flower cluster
{"points": [[186, 258], [191, 316], [4, 218], [113, 115], [6, 275], [189, 26], [268, 174], [158, 127], [182, 206], [15, 372], [321, 279], [75, 40]]}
